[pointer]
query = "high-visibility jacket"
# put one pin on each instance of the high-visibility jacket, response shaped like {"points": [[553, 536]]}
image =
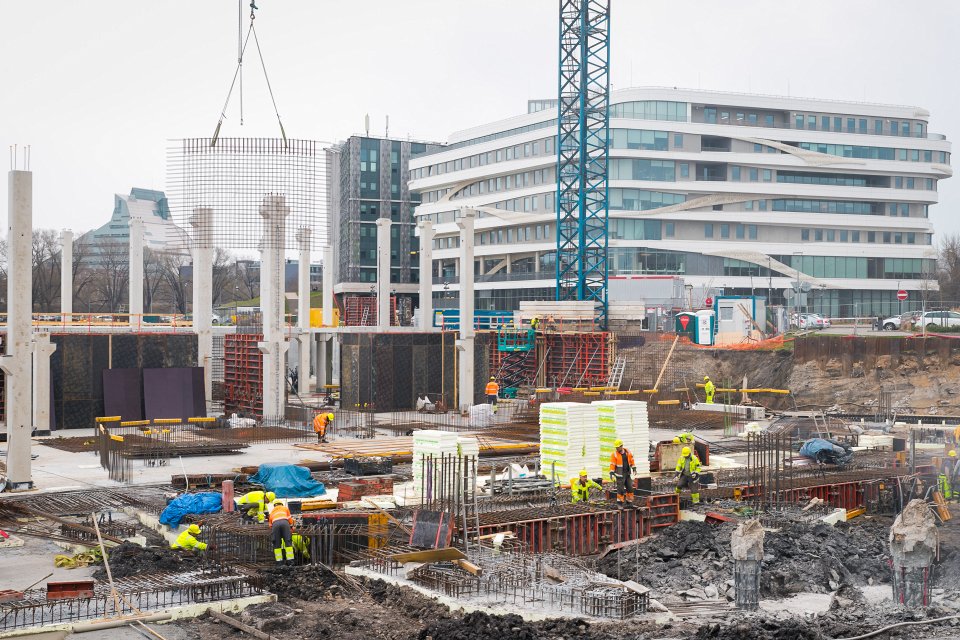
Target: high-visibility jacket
{"points": [[186, 541], [492, 388], [617, 460], [320, 422], [580, 492], [708, 388], [685, 438], [255, 500], [280, 512], [688, 465], [301, 544]]}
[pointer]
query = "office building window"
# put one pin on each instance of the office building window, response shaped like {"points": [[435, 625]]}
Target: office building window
{"points": [[904, 210], [710, 115], [929, 184], [898, 182], [741, 232], [906, 128], [854, 236], [684, 170], [763, 205], [837, 123], [915, 155], [878, 127], [767, 175], [735, 174], [825, 123], [831, 235], [748, 205], [804, 234], [758, 148], [740, 118], [678, 141], [863, 125], [818, 235], [871, 237], [753, 175], [928, 156], [812, 123], [911, 238], [886, 237], [768, 120], [799, 122], [708, 230], [843, 235], [894, 128], [724, 117], [668, 229], [752, 119], [724, 231], [851, 125], [752, 231], [910, 183]]}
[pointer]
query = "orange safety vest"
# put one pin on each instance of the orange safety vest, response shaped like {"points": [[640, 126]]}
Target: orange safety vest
{"points": [[492, 388], [280, 513], [320, 423], [616, 460]]}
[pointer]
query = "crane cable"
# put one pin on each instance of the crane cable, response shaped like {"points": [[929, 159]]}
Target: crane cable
{"points": [[238, 74]]}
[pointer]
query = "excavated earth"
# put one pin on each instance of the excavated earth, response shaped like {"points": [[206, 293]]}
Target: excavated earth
{"points": [[129, 559]]}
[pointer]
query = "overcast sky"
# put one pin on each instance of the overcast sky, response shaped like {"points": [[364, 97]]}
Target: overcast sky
{"points": [[98, 87]]}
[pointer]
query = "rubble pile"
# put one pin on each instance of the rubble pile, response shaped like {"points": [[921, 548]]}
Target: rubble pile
{"points": [[311, 582], [129, 559], [482, 626], [800, 557]]}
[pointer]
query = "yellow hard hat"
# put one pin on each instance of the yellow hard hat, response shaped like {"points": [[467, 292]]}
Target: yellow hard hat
{"points": [[277, 503], [685, 451], [676, 440], [618, 443], [952, 454], [194, 528], [493, 377], [583, 473], [706, 377], [270, 496], [330, 416]]}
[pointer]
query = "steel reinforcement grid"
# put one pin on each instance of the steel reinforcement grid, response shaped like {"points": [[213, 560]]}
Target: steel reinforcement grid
{"points": [[149, 592]]}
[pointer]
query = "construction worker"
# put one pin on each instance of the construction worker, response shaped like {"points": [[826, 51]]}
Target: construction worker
{"points": [[301, 547], [535, 322], [708, 389], [281, 532], [621, 466], [493, 391], [580, 488], [256, 503], [188, 540], [320, 423], [684, 438], [947, 471], [688, 473]]}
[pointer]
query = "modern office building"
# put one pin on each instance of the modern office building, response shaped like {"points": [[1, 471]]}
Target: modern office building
{"points": [[159, 231], [732, 192], [368, 180]]}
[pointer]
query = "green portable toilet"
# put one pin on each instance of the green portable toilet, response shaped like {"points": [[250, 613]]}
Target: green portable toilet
{"points": [[685, 324]]}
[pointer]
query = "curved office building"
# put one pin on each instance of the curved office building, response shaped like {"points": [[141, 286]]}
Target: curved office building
{"points": [[729, 191]]}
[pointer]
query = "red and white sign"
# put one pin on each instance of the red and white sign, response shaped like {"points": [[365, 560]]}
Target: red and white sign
{"points": [[708, 302], [684, 321], [901, 295]]}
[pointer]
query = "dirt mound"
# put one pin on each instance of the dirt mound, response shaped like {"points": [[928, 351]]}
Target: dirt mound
{"points": [[310, 582], [412, 604], [799, 557], [482, 626], [130, 559]]}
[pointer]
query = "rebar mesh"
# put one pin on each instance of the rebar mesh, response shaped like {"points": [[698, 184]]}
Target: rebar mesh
{"points": [[232, 179]]}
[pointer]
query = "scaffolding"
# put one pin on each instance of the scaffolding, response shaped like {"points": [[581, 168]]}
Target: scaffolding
{"points": [[361, 311]]}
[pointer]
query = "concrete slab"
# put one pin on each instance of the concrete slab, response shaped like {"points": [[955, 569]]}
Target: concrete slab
{"points": [[22, 566]]}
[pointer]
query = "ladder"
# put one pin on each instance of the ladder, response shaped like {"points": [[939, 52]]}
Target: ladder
{"points": [[616, 373], [364, 316]]}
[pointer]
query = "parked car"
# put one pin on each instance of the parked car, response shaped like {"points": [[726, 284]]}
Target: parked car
{"points": [[933, 319], [896, 322], [824, 322], [807, 321]]}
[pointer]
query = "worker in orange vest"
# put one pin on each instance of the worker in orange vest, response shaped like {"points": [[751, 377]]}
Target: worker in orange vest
{"points": [[320, 423], [281, 532], [621, 466], [493, 391]]}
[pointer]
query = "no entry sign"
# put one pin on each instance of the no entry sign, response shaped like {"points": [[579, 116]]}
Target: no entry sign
{"points": [[901, 295]]}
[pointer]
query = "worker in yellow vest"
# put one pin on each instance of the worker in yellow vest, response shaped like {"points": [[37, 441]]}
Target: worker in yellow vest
{"points": [[320, 423], [187, 540], [580, 488], [255, 503], [281, 532], [708, 389], [688, 474]]}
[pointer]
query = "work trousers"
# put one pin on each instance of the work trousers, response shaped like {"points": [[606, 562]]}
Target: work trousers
{"points": [[624, 486], [282, 540], [687, 482]]}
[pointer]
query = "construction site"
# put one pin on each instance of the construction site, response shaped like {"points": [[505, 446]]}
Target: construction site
{"points": [[563, 470]]}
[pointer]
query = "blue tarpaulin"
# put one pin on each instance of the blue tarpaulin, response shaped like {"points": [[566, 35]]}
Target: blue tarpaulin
{"points": [[823, 450], [188, 503], [288, 481]]}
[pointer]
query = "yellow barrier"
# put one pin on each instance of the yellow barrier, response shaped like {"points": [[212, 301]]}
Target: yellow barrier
{"points": [[167, 421], [117, 438], [135, 423], [108, 419], [195, 420], [780, 391], [668, 402]]}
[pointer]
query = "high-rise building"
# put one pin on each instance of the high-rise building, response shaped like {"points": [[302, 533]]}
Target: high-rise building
{"points": [[159, 231], [368, 180], [732, 192]]}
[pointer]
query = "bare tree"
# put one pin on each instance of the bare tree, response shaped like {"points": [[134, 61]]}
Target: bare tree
{"points": [[248, 279], [175, 284], [224, 278], [45, 259], [152, 277], [948, 267], [83, 274], [108, 288]]}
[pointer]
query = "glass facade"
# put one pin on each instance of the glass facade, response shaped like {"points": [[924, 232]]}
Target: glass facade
{"points": [[660, 170], [650, 110]]}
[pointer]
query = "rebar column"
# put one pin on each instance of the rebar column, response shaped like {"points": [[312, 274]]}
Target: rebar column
{"points": [[66, 275], [16, 362], [272, 307], [913, 547], [303, 312], [135, 272], [747, 549], [202, 223]]}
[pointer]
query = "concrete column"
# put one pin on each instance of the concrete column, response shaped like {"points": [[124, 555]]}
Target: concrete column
{"points": [[509, 263], [328, 286], [335, 360], [274, 346], [202, 223], [42, 350], [426, 274], [383, 273], [913, 547], [303, 311], [16, 361], [465, 344], [135, 271], [320, 362], [66, 274]]}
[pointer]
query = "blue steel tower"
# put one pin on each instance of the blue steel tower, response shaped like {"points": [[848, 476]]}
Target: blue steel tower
{"points": [[584, 98]]}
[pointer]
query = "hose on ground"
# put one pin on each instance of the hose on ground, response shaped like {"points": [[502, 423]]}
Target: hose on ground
{"points": [[899, 624]]}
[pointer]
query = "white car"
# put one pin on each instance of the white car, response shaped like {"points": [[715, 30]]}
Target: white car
{"points": [[895, 322], [808, 321], [932, 319]]}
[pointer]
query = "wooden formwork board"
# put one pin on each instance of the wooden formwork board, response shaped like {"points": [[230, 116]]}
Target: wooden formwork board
{"points": [[403, 446]]}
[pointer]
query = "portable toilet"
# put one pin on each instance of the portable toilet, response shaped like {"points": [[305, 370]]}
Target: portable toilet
{"points": [[705, 327], [685, 324]]}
